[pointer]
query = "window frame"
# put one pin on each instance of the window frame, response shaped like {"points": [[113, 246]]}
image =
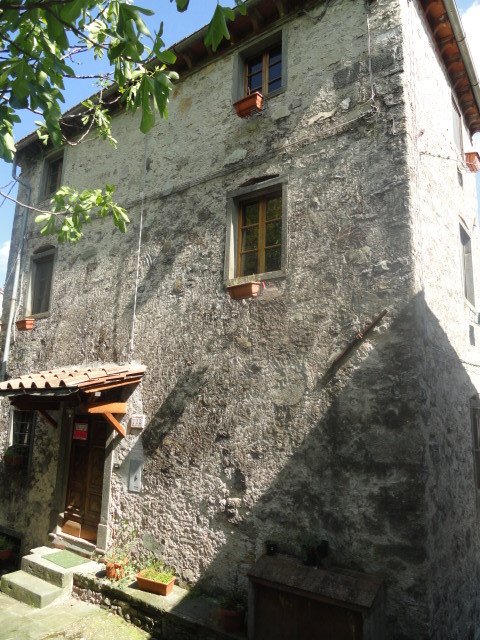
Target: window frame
{"points": [[265, 56], [31, 433], [255, 48], [235, 200], [468, 271], [40, 255], [47, 166]]}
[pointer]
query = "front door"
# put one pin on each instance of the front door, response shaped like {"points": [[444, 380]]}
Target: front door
{"points": [[85, 481]]}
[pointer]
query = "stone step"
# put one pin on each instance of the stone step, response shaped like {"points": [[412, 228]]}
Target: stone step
{"points": [[77, 545], [42, 568], [29, 589]]}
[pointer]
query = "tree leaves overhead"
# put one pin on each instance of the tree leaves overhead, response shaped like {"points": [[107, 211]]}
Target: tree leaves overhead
{"points": [[42, 42]]}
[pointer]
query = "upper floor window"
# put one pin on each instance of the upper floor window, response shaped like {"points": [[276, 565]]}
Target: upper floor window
{"points": [[263, 72], [259, 247], [467, 266], [41, 280], [22, 428], [53, 176], [457, 128]]}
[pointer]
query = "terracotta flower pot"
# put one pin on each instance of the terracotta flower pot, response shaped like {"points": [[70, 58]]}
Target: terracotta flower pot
{"points": [[114, 570], [26, 324], [253, 103], [6, 554], [245, 290], [472, 159], [232, 620], [161, 588]]}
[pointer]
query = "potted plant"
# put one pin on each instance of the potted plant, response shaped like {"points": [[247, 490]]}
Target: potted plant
{"points": [[16, 456], [156, 578], [117, 556], [251, 103], [231, 613], [6, 548], [26, 324]]}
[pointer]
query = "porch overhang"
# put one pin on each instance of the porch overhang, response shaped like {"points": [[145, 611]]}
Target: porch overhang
{"points": [[45, 390]]}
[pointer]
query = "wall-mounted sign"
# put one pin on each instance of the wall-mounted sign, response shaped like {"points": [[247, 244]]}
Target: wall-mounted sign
{"points": [[135, 478], [80, 430], [137, 421]]}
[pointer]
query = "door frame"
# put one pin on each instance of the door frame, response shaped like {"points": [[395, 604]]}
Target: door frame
{"points": [[66, 422]]}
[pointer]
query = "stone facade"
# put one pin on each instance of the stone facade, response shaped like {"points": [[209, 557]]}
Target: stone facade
{"points": [[248, 438]]}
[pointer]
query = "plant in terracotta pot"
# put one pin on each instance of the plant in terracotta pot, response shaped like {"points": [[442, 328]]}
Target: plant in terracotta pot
{"points": [[117, 556], [16, 456], [6, 548], [156, 578], [231, 612]]}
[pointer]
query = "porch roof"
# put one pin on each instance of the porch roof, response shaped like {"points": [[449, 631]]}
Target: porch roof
{"points": [[87, 379]]}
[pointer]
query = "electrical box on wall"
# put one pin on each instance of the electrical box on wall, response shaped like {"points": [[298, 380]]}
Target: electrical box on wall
{"points": [[135, 476], [137, 421]]}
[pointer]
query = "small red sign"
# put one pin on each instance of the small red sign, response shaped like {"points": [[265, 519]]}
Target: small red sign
{"points": [[80, 430]]}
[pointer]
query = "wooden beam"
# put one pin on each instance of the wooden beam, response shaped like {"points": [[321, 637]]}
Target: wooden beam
{"points": [[48, 418], [107, 407], [115, 424], [114, 385]]}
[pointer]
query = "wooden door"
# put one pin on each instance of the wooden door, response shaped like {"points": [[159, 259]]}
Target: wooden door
{"points": [[280, 615], [85, 481]]}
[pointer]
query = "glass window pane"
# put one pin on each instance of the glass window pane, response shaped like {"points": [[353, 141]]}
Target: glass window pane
{"points": [[273, 259], [248, 264], [249, 238], [255, 65], [274, 233], [275, 55], [275, 72], [255, 82], [42, 283], [250, 214], [274, 208], [274, 85]]}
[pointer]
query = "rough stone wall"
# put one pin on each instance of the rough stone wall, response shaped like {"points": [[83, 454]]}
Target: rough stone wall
{"points": [[451, 363], [244, 440]]}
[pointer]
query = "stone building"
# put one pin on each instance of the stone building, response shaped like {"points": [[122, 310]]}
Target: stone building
{"points": [[337, 404]]}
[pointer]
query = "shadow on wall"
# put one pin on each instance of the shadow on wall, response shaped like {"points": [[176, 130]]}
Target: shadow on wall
{"points": [[373, 474]]}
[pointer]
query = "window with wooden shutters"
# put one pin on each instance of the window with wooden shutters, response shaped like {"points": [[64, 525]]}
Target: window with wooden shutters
{"points": [[41, 283], [467, 266], [53, 176], [263, 72], [259, 247]]}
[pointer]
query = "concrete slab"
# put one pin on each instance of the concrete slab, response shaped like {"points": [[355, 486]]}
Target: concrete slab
{"points": [[42, 568], [31, 590]]}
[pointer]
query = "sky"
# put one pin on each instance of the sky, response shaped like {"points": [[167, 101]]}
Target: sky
{"points": [[176, 26]]}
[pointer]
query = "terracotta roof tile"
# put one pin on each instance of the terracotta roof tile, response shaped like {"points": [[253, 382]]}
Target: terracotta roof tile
{"points": [[74, 378]]}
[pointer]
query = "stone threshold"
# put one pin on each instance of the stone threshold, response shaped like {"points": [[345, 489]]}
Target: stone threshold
{"points": [[178, 615]]}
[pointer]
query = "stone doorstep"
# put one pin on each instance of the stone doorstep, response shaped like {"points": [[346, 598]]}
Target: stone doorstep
{"points": [[71, 543], [37, 565], [179, 609], [31, 590]]}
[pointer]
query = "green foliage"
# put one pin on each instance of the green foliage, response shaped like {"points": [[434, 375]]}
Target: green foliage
{"points": [[158, 571], [5, 543], [40, 39]]}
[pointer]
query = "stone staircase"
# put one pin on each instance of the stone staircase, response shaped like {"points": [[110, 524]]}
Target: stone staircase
{"points": [[41, 582]]}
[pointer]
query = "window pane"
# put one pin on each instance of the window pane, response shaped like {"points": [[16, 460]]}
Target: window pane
{"points": [[274, 208], [275, 72], [250, 238], [476, 428], [274, 233], [273, 259], [255, 82], [248, 264], [42, 283], [22, 427], [255, 65], [250, 214], [468, 280], [54, 175], [275, 54], [274, 85]]}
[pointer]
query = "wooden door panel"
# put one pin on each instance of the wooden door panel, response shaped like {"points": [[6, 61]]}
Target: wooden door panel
{"points": [[85, 483]]}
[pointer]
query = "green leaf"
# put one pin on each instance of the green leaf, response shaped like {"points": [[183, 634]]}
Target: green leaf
{"points": [[217, 29]]}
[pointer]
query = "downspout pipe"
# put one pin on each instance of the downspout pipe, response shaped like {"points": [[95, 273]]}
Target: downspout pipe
{"points": [[16, 275], [461, 38]]}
